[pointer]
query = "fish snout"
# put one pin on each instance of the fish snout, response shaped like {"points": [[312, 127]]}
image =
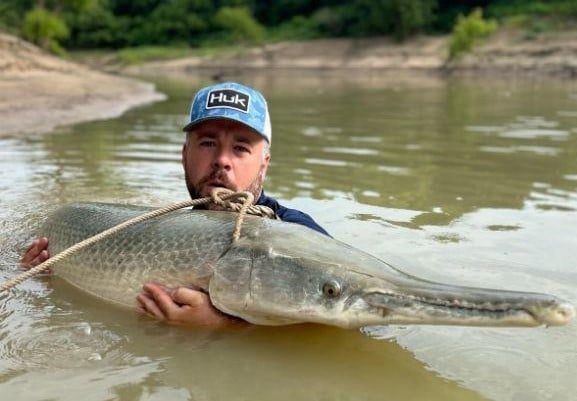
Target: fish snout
{"points": [[454, 305], [558, 313]]}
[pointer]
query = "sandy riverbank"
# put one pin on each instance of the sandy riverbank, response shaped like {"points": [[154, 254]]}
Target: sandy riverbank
{"points": [[39, 92], [508, 52]]}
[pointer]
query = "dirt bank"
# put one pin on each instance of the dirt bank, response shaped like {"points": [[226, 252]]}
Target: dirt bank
{"points": [[39, 92], [421, 53], [505, 52]]}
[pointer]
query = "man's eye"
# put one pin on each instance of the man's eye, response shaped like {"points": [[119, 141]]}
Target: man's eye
{"points": [[207, 144], [243, 149]]}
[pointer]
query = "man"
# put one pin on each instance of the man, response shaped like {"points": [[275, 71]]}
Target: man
{"points": [[227, 145]]}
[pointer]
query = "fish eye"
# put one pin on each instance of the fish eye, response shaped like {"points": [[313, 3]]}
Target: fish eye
{"points": [[331, 289]]}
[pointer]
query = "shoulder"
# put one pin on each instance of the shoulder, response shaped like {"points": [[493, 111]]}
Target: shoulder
{"points": [[290, 215]]}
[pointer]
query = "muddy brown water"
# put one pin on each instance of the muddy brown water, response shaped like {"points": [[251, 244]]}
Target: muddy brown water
{"points": [[470, 181]]}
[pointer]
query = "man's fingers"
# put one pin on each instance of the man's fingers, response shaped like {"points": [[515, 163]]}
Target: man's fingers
{"points": [[148, 305], [151, 288], [32, 245], [37, 249], [42, 257], [183, 305], [30, 253], [162, 300], [190, 297]]}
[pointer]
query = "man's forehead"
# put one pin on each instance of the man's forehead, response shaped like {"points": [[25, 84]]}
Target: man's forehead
{"points": [[218, 127]]}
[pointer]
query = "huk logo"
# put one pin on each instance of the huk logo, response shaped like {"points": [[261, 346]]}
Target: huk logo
{"points": [[228, 98]]}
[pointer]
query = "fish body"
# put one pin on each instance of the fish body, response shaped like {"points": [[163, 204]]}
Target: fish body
{"points": [[276, 273]]}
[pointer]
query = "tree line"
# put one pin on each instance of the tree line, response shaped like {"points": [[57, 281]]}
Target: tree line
{"points": [[114, 24]]}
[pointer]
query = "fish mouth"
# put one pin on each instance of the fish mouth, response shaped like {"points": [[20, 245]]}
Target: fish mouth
{"points": [[463, 306]]}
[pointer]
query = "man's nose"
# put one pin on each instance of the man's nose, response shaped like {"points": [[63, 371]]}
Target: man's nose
{"points": [[223, 160]]}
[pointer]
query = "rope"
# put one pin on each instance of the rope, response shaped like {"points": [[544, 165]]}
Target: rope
{"points": [[239, 202]]}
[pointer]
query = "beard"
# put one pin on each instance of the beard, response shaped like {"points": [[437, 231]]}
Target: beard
{"points": [[255, 187]]}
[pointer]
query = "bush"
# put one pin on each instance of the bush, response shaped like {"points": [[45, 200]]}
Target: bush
{"points": [[411, 16], [241, 23], [96, 27], [45, 29], [171, 22], [401, 18], [533, 8], [469, 31], [332, 21], [297, 28]]}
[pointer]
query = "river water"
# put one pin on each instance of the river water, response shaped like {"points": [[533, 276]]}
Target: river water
{"points": [[469, 181]]}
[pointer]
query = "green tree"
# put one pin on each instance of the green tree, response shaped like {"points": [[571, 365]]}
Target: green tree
{"points": [[401, 18], [97, 27], [469, 31], [241, 23], [169, 23], [12, 14], [45, 29]]}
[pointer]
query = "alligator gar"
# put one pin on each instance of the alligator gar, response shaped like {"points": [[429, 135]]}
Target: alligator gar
{"points": [[277, 273]]}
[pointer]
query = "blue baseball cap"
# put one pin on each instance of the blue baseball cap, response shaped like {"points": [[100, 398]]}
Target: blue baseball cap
{"points": [[231, 101]]}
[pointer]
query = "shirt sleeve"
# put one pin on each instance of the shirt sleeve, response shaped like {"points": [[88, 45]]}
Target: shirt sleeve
{"points": [[291, 215], [298, 217]]}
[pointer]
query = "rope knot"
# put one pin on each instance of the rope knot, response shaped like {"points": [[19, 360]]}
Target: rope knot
{"points": [[240, 202]]}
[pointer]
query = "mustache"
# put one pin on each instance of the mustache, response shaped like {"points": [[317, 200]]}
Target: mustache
{"points": [[216, 175]]}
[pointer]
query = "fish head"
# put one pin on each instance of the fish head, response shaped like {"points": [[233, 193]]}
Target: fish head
{"points": [[331, 283]]}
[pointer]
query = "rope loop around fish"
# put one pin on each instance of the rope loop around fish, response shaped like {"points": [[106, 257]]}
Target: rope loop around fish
{"points": [[240, 202]]}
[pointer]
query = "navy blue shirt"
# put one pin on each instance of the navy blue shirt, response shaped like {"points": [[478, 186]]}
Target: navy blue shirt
{"points": [[290, 215]]}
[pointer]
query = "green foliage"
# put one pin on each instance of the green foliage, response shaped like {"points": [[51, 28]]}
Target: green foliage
{"points": [[536, 17], [273, 13], [97, 27], [297, 28], [168, 24], [195, 23], [335, 21], [411, 16], [135, 55], [508, 8], [45, 29], [72, 5], [469, 31], [140, 54], [401, 18], [12, 14], [241, 23]]}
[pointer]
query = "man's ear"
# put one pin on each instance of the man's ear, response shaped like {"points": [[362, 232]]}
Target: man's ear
{"points": [[184, 154], [265, 163]]}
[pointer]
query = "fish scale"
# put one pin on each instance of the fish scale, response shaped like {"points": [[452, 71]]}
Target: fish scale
{"points": [[166, 249]]}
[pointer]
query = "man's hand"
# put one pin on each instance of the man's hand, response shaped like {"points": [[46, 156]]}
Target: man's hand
{"points": [[183, 306], [36, 253]]}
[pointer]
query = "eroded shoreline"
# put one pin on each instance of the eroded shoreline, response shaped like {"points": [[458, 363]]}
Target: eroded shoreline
{"points": [[39, 92]]}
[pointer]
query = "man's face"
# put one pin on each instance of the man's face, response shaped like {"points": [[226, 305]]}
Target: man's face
{"points": [[224, 153]]}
